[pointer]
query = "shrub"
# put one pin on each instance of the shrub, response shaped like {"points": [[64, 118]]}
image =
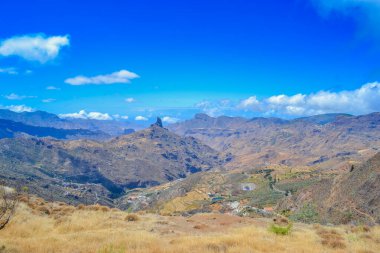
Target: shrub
{"points": [[200, 226], [331, 238], [360, 229], [281, 230], [132, 217], [43, 209], [8, 203], [104, 208]]}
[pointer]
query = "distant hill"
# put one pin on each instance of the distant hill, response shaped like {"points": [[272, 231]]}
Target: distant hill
{"points": [[326, 141], [11, 129], [45, 119], [85, 170], [352, 196]]}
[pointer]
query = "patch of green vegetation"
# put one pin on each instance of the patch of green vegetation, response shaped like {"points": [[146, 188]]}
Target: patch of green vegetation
{"points": [[264, 196], [307, 214], [281, 230], [296, 185]]}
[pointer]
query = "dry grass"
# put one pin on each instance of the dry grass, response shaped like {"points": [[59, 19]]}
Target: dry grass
{"points": [[331, 238], [96, 230]]}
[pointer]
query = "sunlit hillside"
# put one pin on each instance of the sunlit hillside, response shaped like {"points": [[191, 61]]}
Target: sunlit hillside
{"points": [[39, 226]]}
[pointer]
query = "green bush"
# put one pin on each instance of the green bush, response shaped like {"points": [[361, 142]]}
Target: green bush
{"points": [[281, 230]]}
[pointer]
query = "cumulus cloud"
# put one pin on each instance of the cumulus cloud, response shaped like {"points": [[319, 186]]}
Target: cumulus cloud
{"points": [[170, 120], [87, 115], [40, 47], [18, 108], [249, 102], [14, 96], [363, 100], [10, 71], [130, 100], [141, 118], [365, 12], [122, 76]]}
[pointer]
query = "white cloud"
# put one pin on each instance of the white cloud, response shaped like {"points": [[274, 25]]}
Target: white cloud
{"points": [[141, 118], [48, 100], [284, 99], [10, 71], [52, 88], [130, 100], [363, 100], [18, 108], [249, 102], [84, 115], [99, 116], [39, 47], [14, 96], [122, 76], [169, 120]]}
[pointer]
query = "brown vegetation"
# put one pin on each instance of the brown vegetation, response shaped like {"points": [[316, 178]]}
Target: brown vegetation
{"points": [[132, 217], [331, 238], [91, 230]]}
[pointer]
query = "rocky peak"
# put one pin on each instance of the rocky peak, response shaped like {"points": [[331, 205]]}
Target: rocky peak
{"points": [[158, 122]]}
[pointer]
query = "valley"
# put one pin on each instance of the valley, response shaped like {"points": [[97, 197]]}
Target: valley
{"points": [[173, 183]]}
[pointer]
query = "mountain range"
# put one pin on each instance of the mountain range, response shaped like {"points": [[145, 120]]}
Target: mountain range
{"points": [[225, 164], [49, 120], [87, 169], [326, 141]]}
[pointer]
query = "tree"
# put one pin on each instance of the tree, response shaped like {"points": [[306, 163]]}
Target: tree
{"points": [[8, 202]]}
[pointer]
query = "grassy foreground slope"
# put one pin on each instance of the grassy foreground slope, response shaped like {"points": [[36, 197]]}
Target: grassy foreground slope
{"points": [[56, 227]]}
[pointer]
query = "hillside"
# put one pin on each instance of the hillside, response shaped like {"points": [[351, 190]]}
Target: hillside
{"points": [[352, 196], [40, 226], [327, 141], [91, 171]]}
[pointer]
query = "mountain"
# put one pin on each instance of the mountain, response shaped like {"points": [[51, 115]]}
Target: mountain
{"points": [[352, 196], [86, 170], [11, 129], [326, 141], [45, 119]]}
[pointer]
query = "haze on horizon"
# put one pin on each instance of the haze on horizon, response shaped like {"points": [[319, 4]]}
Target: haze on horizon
{"points": [[131, 60]]}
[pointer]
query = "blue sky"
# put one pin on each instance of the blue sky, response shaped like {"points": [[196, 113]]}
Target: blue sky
{"points": [[112, 59]]}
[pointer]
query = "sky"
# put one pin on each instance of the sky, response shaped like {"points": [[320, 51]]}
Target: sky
{"points": [[135, 60]]}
